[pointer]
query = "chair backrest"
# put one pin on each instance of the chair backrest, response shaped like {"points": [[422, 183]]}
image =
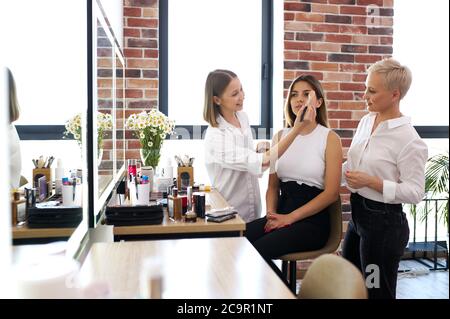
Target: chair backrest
{"points": [[332, 277], [335, 210]]}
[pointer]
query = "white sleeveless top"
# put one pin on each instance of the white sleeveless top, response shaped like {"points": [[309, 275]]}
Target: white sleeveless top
{"points": [[304, 160]]}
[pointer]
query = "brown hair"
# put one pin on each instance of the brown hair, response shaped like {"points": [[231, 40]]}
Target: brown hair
{"points": [[14, 110], [321, 116], [216, 83]]}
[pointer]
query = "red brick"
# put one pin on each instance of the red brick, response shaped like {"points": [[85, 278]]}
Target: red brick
{"points": [[133, 53], [324, 8], [132, 12], [324, 66], [354, 68], [349, 105], [148, 53], [290, 45], [331, 28], [350, 29], [367, 58], [339, 114], [348, 124], [338, 38], [346, 142], [131, 32], [339, 96], [312, 56], [352, 87], [359, 78], [326, 47], [367, 2], [142, 23], [293, 6], [291, 55], [133, 94], [353, 10], [288, 16], [310, 17]]}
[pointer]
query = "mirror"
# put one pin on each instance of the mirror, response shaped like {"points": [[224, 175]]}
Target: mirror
{"points": [[46, 53], [108, 109]]}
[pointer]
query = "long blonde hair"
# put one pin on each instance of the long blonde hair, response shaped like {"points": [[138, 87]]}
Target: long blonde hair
{"points": [[14, 109], [216, 83], [321, 116]]}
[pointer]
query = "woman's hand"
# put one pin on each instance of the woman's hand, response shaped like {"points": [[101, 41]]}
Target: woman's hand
{"points": [[262, 147], [357, 179], [276, 221]]}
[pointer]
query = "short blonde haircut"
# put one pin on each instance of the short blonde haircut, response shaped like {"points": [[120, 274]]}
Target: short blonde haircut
{"points": [[216, 83], [14, 109], [396, 76]]}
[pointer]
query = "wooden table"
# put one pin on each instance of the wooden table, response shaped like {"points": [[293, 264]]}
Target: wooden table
{"points": [[180, 229], [191, 268], [23, 235]]}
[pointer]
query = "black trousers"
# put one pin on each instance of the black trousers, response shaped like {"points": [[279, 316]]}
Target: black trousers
{"points": [[375, 241], [308, 234]]}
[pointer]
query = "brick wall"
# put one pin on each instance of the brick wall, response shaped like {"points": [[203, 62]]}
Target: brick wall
{"points": [[335, 40], [142, 62]]}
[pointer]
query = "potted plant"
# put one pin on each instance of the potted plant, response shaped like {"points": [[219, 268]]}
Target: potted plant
{"points": [[436, 187]]}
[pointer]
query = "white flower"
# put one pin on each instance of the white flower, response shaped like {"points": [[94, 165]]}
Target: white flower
{"points": [[150, 144]]}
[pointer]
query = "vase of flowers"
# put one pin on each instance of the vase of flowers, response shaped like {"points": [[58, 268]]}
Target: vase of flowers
{"points": [[104, 123], [151, 128]]}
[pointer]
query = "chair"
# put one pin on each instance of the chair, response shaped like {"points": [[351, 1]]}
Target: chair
{"points": [[331, 246], [332, 277]]}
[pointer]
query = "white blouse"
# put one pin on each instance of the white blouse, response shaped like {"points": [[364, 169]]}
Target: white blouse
{"points": [[15, 159], [395, 153], [234, 166], [304, 160]]}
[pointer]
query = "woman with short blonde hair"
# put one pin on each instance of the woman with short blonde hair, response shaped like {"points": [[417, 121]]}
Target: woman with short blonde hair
{"points": [[385, 168]]}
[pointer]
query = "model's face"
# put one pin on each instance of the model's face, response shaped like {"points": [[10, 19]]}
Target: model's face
{"points": [[299, 95], [232, 99], [378, 98]]}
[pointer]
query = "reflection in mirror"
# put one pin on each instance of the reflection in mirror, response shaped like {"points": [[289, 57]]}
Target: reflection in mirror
{"points": [[51, 88], [120, 114], [109, 106], [105, 107]]}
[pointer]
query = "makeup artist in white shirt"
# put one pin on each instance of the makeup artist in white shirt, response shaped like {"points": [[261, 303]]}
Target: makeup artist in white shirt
{"points": [[232, 162], [385, 167], [15, 160]]}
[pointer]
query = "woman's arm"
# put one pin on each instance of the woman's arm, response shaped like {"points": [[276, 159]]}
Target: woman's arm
{"points": [[333, 167], [273, 187]]}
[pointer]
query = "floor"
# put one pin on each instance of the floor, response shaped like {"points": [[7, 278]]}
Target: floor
{"points": [[423, 285], [419, 283]]}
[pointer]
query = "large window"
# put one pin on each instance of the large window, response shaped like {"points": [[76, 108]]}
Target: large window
{"points": [[421, 42], [199, 36]]}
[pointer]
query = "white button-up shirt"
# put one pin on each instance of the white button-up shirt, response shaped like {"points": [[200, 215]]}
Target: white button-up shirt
{"points": [[395, 153], [234, 166]]}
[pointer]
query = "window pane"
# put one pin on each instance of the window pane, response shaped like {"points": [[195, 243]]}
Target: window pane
{"points": [[421, 42], [212, 34], [47, 55]]}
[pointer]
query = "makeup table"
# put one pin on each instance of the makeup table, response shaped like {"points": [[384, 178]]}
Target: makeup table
{"points": [[170, 229]]}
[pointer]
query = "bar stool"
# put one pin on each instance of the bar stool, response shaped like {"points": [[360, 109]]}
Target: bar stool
{"points": [[331, 246]]}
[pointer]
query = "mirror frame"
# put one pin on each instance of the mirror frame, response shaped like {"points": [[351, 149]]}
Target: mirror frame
{"points": [[98, 202]]}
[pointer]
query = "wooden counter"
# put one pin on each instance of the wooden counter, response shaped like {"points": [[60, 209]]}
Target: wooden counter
{"points": [[191, 268], [213, 200]]}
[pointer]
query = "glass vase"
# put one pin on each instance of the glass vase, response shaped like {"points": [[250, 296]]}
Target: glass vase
{"points": [[150, 156]]}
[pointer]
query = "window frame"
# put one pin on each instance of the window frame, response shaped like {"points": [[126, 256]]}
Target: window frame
{"points": [[266, 72]]}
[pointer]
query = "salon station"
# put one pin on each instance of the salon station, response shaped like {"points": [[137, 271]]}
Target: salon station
{"points": [[125, 176]]}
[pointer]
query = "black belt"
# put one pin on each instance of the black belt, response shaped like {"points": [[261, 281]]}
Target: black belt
{"points": [[375, 204]]}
